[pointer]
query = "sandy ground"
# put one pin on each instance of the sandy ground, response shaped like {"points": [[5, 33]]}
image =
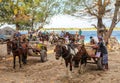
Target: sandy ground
{"points": [[53, 71]]}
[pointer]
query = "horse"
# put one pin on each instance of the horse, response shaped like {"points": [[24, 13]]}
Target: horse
{"points": [[53, 39], [8, 46], [67, 53], [18, 49], [24, 48], [81, 59]]}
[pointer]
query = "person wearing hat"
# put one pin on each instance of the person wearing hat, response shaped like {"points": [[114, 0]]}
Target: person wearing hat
{"points": [[103, 49]]}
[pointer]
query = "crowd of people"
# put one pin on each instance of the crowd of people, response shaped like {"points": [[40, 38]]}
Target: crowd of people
{"points": [[70, 39]]}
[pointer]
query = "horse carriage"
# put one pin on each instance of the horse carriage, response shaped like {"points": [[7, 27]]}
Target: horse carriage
{"points": [[38, 49], [93, 55], [79, 56]]}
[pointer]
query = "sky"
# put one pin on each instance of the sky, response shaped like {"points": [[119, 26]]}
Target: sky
{"points": [[67, 21]]}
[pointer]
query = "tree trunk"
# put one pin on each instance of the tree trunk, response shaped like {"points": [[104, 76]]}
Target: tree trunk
{"points": [[114, 20], [100, 28], [32, 24], [17, 26]]}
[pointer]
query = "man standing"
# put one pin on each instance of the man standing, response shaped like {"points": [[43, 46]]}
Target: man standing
{"points": [[103, 49], [80, 32]]}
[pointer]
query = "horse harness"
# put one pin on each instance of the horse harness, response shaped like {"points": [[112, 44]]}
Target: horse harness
{"points": [[67, 53]]}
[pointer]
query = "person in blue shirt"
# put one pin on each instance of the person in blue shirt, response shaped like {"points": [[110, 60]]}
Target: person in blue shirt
{"points": [[80, 32], [17, 34], [62, 34]]}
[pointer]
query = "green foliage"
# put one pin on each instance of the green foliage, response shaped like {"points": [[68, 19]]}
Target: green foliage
{"points": [[38, 10]]}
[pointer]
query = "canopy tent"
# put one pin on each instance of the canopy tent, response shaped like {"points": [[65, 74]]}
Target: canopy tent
{"points": [[7, 31]]}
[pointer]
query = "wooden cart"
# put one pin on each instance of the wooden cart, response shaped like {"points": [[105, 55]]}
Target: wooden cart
{"points": [[38, 49], [97, 57]]}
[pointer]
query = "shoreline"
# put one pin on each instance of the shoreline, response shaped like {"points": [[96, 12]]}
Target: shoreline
{"points": [[76, 29]]}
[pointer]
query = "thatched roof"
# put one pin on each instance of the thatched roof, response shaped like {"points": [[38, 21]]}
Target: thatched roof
{"points": [[7, 31]]}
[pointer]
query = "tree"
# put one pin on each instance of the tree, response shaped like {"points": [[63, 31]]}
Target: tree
{"points": [[47, 9], [99, 9], [13, 12], [29, 12], [115, 20]]}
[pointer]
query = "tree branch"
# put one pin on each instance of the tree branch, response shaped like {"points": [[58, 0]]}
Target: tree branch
{"points": [[118, 20], [108, 10], [106, 2], [89, 9], [94, 26]]}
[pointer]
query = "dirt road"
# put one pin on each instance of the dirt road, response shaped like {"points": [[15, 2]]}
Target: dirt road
{"points": [[53, 71]]}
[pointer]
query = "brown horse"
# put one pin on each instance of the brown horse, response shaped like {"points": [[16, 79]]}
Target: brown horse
{"points": [[24, 47], [8, 46], [18, 49], [81, 58], [16, 52]]}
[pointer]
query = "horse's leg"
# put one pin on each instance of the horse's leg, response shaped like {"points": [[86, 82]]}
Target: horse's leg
{"points": [[70, 74], [82, 67], [20, 60], [66, 63], [14, 59], [85, 63], [24, 58], [61, 61]]}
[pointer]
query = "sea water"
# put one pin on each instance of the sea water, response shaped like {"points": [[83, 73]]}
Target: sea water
{"points": [[87, 34]]}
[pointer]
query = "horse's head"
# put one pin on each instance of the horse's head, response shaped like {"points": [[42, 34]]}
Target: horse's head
{"points": [[14, 45], [81, 50], [9, 46], [58, 51]]}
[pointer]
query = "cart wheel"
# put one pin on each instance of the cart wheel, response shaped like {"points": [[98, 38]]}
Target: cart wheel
{"points": [[1, 41], [99, 63], [43, 56]]}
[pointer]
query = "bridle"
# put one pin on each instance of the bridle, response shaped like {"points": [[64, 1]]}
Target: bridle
{"points": [[62, 53]]}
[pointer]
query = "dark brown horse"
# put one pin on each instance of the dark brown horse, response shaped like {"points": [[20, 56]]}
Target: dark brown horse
{"points": [[8, 46], [18, 49], [16, 52]]}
